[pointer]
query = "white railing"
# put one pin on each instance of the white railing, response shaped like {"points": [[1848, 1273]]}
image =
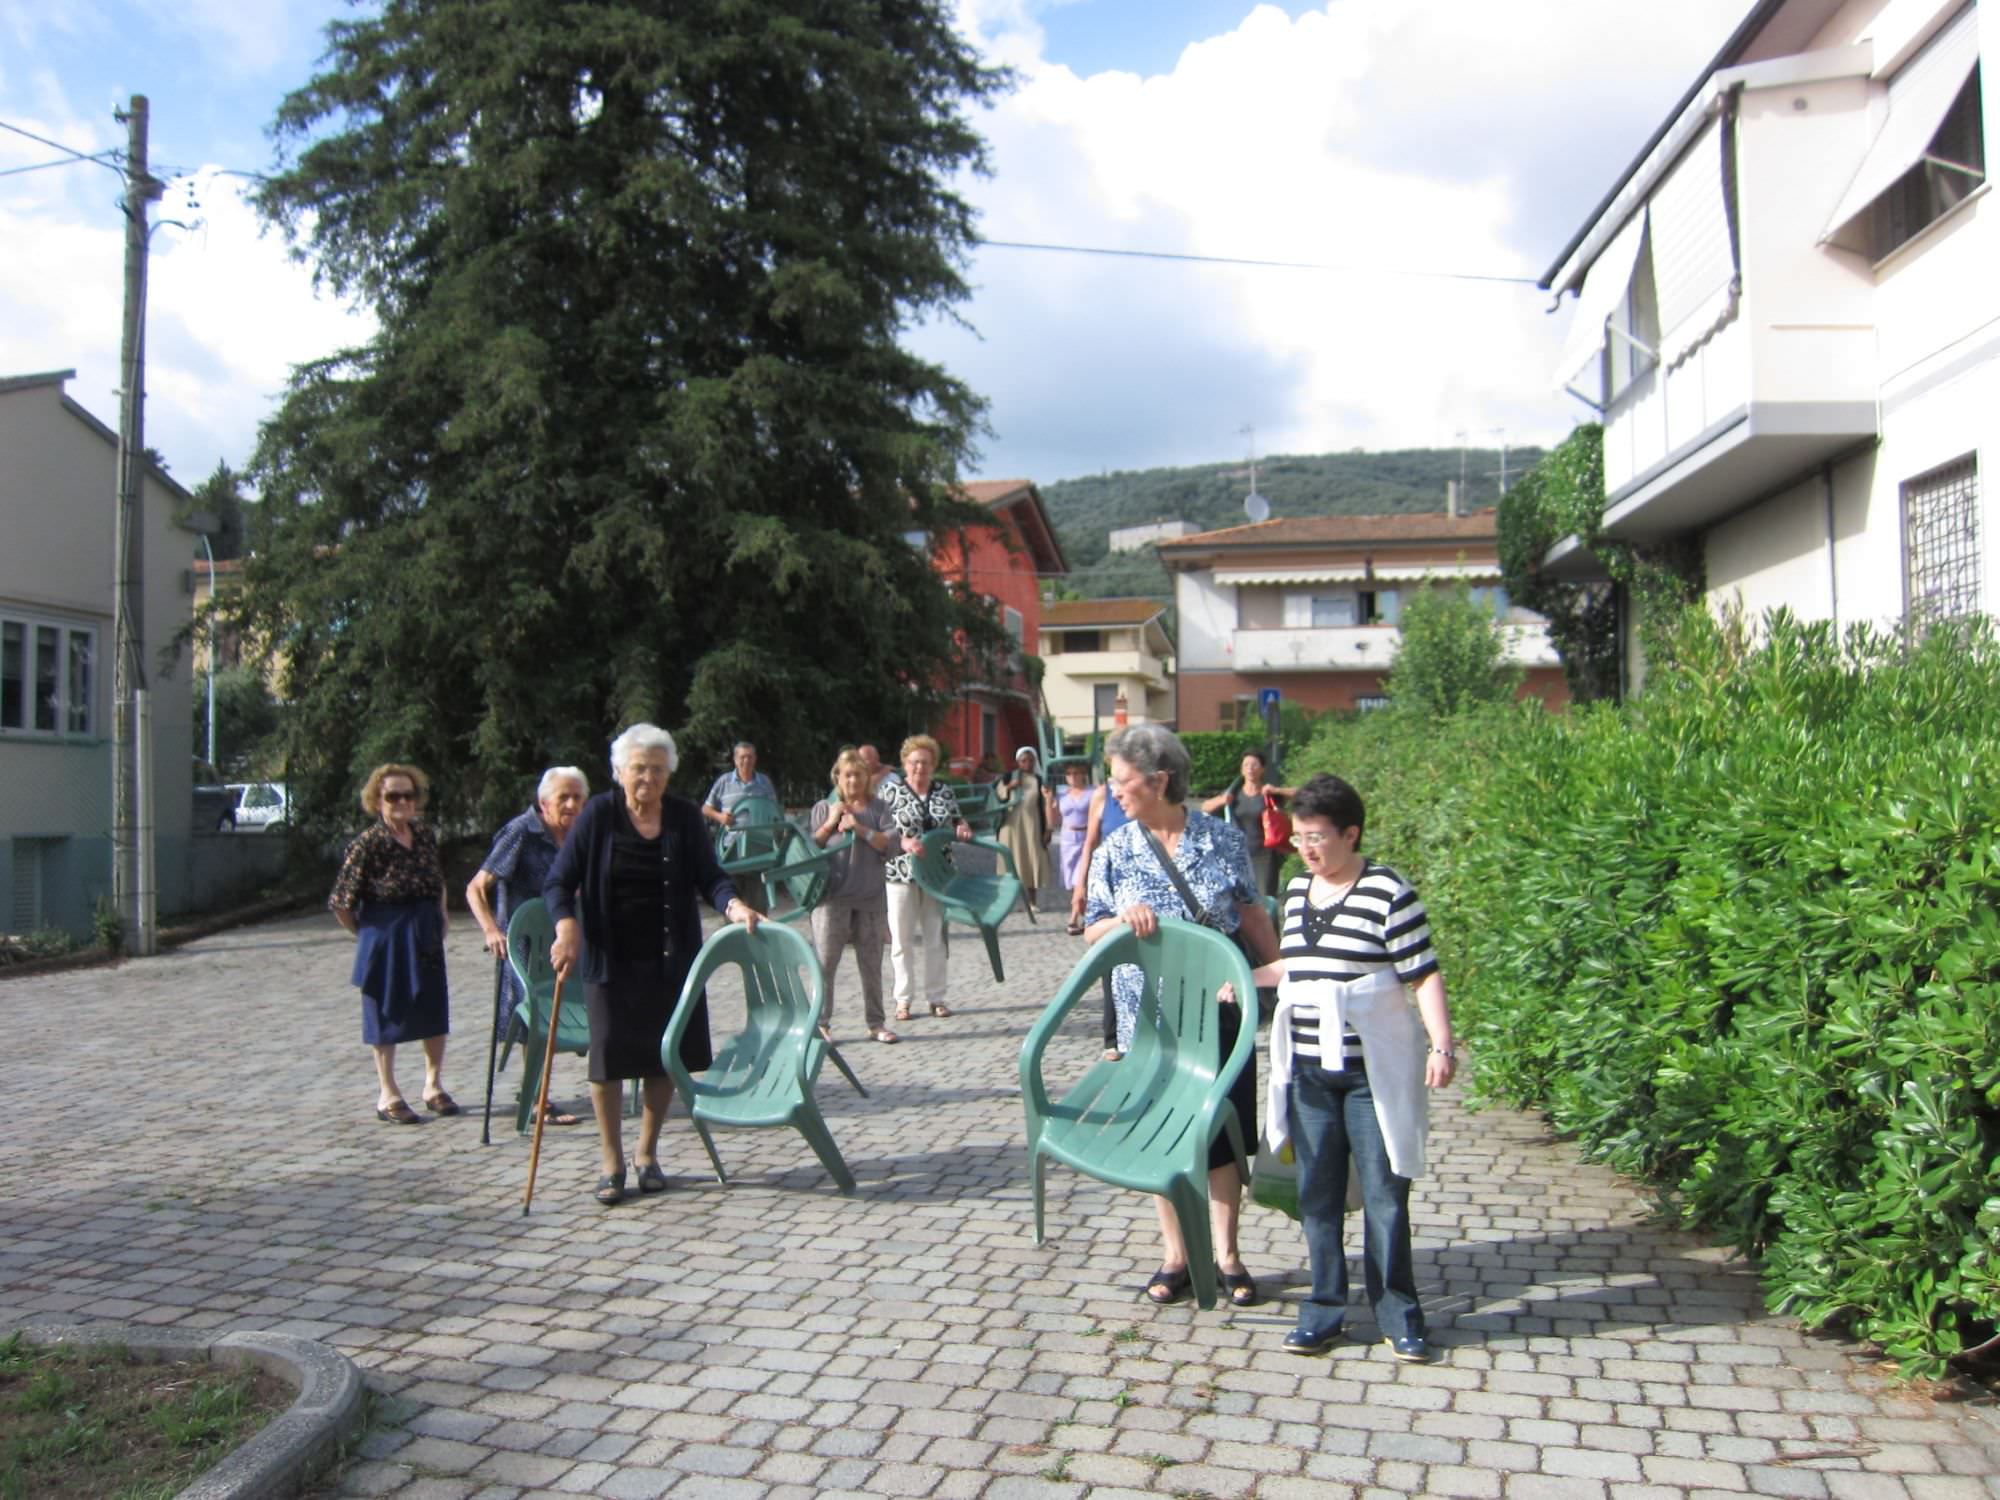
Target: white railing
{"points": [[1362, 648]]}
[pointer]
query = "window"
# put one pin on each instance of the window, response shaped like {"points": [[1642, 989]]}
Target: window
{"points": [[1238, 715], [1633, 329], [1319, 611], [26, 912], [1928, 154], [1104, 700], [1381, 607], [1491, 597], [1368, 702], [46, 676], [1082, 640], [1011, 618], [1953, 165], [989, 734], [1941, 545]]}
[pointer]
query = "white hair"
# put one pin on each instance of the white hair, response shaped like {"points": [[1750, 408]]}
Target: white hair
{"points": [[555, 776], [642, 737]]}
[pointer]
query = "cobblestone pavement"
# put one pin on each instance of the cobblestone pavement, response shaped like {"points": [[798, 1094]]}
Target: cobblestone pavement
{"points": [[191, 1141]]}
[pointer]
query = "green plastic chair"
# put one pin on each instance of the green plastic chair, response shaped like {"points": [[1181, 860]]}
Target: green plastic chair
{"points": [[981, 901], [763, 1076], [804, 874], [756, 838], [530, 934], [1147, 1123]]}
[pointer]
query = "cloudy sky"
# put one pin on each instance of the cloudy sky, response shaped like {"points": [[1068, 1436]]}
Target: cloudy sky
{"points": [[1401, 143]]}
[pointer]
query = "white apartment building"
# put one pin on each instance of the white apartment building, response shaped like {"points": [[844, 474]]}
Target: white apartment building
{"points": [[1788, 317]]}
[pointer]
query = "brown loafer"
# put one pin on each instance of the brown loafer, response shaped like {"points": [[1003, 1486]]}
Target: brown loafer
{"points": [[399, 1113]]}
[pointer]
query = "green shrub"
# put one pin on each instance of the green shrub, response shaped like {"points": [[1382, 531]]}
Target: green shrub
{"points": [[1216, 755], [1741, 937], [1450, 656]]}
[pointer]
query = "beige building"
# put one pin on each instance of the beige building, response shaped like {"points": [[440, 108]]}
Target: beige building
{"points": [[1096, 652], [58, 497], [1310, 606], [1788, 316]]}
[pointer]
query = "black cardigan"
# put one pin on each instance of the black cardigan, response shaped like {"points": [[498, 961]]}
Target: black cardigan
{"points": [[579, 882]]}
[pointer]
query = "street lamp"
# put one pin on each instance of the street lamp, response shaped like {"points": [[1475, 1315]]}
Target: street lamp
{"points": [[201, 523]]}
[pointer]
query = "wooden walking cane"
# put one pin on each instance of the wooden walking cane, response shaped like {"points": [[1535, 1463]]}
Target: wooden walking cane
{"points": [[542, 1101]]}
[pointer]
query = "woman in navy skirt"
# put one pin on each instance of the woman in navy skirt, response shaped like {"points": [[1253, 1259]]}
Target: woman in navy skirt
{"points": [[390, 895], [622, 891]]}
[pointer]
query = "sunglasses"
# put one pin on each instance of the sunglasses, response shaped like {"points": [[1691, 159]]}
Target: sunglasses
{"points": [[399, 796]]}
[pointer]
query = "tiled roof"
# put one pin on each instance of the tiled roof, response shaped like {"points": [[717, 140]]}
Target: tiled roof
{"points": [[993, 491], [1292, 531], [1082, 613]]}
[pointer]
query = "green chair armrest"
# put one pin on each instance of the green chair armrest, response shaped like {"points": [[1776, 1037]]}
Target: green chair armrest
{"points": [[1109, 951]]}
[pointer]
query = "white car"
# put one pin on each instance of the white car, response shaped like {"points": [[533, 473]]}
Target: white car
{"points": [[261, 807]]}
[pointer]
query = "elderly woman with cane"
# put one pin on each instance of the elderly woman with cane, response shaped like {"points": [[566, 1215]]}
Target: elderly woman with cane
{"points": [[622, 889], [1176, 861], [513, 872], [390, 895]]}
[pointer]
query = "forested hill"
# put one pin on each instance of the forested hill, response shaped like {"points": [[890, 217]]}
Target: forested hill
{"points": [[1210, 496]]}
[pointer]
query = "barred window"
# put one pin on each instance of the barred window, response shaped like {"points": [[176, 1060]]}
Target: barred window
{"points": [[1941, 544]]}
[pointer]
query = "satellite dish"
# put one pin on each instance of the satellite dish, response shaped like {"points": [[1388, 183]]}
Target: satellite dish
{"points": [[1256, 507]]}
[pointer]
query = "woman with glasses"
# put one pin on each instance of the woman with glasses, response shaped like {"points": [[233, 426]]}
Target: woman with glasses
{"points": [[1131, 884], [390, 895], [622, 891], [1352, 1064]]}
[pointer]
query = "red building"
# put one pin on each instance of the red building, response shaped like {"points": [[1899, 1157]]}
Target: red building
{"points": [[992, 712]]}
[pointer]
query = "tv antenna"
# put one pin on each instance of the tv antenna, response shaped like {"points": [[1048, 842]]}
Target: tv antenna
{"points": [[1255, 506]]}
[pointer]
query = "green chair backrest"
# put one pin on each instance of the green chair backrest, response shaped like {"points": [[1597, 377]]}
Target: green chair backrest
{"points": [[805, 875], [756, 832], [530, 933]]}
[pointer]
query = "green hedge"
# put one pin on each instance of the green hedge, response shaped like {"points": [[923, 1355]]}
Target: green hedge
{"points": [[1741, 939], [1217, 755]]}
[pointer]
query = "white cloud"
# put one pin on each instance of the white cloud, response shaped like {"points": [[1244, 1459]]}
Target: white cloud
{"points": [[1382, 136]]}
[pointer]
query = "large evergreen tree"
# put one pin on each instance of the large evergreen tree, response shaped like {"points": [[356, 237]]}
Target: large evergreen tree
{"points": [[635, 437]]}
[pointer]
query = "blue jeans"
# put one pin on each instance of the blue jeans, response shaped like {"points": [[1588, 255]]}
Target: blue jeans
{"points": [[1331, 1115]]}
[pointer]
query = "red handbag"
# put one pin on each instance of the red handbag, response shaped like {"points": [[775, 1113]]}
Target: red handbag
{"points": [[1277, 825]]}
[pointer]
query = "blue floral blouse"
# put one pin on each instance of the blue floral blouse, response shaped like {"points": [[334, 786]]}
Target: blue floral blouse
{"points": [[1214, 860]]}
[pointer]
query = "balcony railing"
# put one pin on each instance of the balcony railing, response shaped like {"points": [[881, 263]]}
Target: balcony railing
{"points": [[1110, 664], [1363, 648]]}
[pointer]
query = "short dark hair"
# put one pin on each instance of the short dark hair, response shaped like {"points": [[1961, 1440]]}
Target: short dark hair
{"points": [[1333, 799], [1256, 755]]}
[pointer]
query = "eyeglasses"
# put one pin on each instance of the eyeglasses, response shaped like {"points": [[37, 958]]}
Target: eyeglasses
{"points": [[399, 796], [1313, 840]]}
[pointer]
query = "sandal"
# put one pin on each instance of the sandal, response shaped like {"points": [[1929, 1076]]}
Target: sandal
{"points": [[1241, 1286], [902, 1012], [651, 1178], [611, 1188], [1075, 928], [399, 1113], [555, 1116], [441, 1103], [885, 1035], [1112, 1054], [938, 1009], [1167, 1287]]}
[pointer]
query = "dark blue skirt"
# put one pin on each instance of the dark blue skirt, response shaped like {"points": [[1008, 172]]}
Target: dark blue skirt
{"points": [[399, 969]]}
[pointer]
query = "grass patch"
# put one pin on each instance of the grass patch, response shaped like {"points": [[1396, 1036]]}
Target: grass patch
{"points": [[99, 1424]]}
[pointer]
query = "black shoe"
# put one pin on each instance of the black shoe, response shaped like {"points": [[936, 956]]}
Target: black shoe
{"points": [[1167, 1287], [652, 1179], [1410, 1348], [1298, 1341], [611, 1188]]}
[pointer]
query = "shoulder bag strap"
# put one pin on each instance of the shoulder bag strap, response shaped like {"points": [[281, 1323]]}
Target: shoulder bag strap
{"points": [[1195, 910]]}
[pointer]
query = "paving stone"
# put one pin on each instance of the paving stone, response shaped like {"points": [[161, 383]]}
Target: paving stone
{"points": [[773, 1340]]}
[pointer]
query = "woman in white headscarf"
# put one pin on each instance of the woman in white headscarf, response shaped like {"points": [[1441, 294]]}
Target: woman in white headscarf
{"points": [[1031, 818]]}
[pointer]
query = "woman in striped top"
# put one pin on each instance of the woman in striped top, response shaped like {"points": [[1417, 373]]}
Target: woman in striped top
{"points": [[1349, 1066]]}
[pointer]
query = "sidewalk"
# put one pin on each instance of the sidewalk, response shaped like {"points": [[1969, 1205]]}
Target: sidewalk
{"points": [[192, 1143]]}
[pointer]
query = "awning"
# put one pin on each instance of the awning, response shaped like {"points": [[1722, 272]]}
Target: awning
{"points": [[1919, 98], [1603, 289], [1694, 268], [1353, 574], [1410, 572]]}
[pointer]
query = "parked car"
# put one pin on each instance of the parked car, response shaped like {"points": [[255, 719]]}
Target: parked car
{"points": [[215, 807], [262, 806]]}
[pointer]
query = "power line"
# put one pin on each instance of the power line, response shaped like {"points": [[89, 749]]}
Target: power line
{"points": [[1276, 265], [41, 166], [98, 157]]}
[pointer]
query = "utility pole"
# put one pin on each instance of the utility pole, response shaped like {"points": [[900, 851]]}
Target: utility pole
{"points": [[131, 881], [1501, 433]]}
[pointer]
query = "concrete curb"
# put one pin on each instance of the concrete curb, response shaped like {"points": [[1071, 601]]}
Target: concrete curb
{"points": [[294, 1445]]}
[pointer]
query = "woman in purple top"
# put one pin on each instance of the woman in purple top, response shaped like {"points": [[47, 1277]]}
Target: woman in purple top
{"points": [[1073, 805]]}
